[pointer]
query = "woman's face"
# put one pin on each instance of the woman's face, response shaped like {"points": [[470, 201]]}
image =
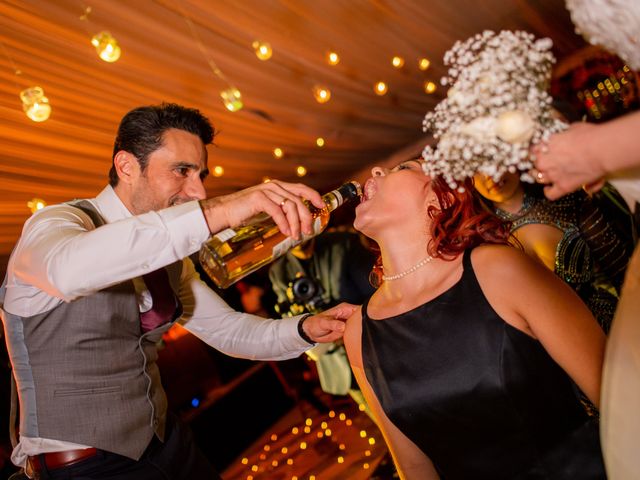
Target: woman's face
{"points": [[393, 195], [499, 191]]}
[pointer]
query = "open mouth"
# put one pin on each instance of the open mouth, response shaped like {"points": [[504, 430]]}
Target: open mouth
{"points": [[369, 190]]}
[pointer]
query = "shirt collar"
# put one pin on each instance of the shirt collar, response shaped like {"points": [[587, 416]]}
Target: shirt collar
{"points": [[110, 206]]}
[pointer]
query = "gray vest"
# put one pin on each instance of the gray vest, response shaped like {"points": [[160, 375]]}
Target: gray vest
{"points": [[85, 371]]}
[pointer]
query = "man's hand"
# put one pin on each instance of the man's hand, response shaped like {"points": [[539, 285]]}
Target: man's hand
{"points": [[282, 201], [328, 326]]}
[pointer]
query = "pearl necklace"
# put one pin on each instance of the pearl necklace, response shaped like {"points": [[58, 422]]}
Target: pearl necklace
{"points": [[421, 263]]}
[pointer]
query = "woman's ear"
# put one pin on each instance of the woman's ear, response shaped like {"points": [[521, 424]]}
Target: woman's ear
{"points": [[126, 166]]}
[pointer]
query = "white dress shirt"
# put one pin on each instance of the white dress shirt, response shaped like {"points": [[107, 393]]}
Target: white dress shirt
{"points": [[61, 256]]}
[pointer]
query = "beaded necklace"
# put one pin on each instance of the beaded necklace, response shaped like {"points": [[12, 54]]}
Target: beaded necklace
{"points": [[418, 265]]}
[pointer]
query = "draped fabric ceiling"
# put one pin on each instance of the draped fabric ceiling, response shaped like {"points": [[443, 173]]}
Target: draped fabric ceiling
{"points": [[69, 155]]}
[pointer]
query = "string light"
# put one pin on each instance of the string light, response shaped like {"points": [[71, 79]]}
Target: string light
{"points": [[333, 58], [380, 88], [429, 87], [397, 62], [301, 172], [320, 142], [231, 96], [36, 204], [107, 46], [218, 171], [321, 94], [232, 99], [280, 458], [423, 64], [262, 49], [35, 104], [278, 153]]}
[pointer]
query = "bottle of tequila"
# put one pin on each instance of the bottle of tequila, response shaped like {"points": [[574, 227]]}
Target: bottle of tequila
{"points": [[234, 253]]}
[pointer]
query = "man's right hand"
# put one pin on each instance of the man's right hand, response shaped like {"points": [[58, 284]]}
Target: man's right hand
{"points": [[281, 200]]}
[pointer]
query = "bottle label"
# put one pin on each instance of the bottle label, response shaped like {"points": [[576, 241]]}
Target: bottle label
{"points": [[225, 235], [281, 248]]}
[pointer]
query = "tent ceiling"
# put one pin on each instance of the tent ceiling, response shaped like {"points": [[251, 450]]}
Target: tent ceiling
{"points": [[69, 155]]}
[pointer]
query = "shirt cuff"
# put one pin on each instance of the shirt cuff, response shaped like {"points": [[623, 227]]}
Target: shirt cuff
{"points": [[187, 227]]}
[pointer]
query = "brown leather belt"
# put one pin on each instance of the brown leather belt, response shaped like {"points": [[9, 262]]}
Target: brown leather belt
{"points": [[53, 460]]}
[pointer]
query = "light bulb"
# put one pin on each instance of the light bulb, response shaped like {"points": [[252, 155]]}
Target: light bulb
{"points": [[333, 58], [397, 61], [35, 104], [321, 94], [106, 46], [263, 50], [320, 142], [232, 99], [278, 153], [423, 64], [36, 204], [218, 171], [380, 88], [301, 171], [429, 87]]}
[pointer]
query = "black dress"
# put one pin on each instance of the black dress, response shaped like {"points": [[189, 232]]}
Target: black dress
{"points": [[481, 398]]}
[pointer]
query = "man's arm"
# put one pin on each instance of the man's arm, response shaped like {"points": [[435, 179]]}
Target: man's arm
{"points": [[62, 254], [238, 334]]}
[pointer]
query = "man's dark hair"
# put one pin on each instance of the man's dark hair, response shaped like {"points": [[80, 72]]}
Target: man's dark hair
{"points": [[141, 130]]}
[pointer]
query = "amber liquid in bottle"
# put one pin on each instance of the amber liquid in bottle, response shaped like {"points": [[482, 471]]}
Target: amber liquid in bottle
{"points": [[234, 253]]}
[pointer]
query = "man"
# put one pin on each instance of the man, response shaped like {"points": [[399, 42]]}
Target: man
{"points": [[92, 285]]}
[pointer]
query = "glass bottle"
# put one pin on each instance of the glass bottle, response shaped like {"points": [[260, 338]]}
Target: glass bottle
{"points": [[234, 253]]}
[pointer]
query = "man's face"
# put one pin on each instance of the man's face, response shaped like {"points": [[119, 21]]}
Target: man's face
{"points": [[174, 174]]}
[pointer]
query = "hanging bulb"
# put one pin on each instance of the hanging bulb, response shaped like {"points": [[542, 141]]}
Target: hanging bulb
{"points": [[397, 61], [232, 99], [36, 204], [301, 171], [333, 58], [35, 104], [423, 64], [321, 94], [380, 88], [320, 142], [278, 153], [218, 171], [262, 49], [106, 46], [429, 87]]}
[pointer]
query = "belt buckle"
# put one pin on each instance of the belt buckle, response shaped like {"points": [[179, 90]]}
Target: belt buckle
{"points": [[29, 471]]}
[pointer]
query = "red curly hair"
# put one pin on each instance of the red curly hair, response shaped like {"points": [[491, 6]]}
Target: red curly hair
{"points": [[461, 222]]}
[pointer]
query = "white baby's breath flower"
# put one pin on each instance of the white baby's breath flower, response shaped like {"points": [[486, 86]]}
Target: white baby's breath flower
{"points": [[496, 107]]}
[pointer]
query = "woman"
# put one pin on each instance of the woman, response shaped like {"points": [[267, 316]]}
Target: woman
{"points": [[467, 351], [570, 236]]}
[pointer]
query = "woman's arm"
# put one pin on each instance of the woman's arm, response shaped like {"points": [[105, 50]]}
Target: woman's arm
{"points": [[410, 461], [585, 153], [531, 298]]}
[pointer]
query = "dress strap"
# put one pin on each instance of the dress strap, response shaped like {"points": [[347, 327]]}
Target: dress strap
{"points": [[466, 261]]}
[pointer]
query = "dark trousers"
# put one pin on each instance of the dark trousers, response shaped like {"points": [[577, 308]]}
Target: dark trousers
{"points": [[178, 458]]}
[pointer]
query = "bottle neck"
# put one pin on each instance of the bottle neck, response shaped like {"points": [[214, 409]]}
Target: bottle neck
{"points": [[340, 195]]}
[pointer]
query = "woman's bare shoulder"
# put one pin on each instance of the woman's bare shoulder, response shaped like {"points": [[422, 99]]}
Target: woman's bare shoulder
{"points": [[352, 337]]}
